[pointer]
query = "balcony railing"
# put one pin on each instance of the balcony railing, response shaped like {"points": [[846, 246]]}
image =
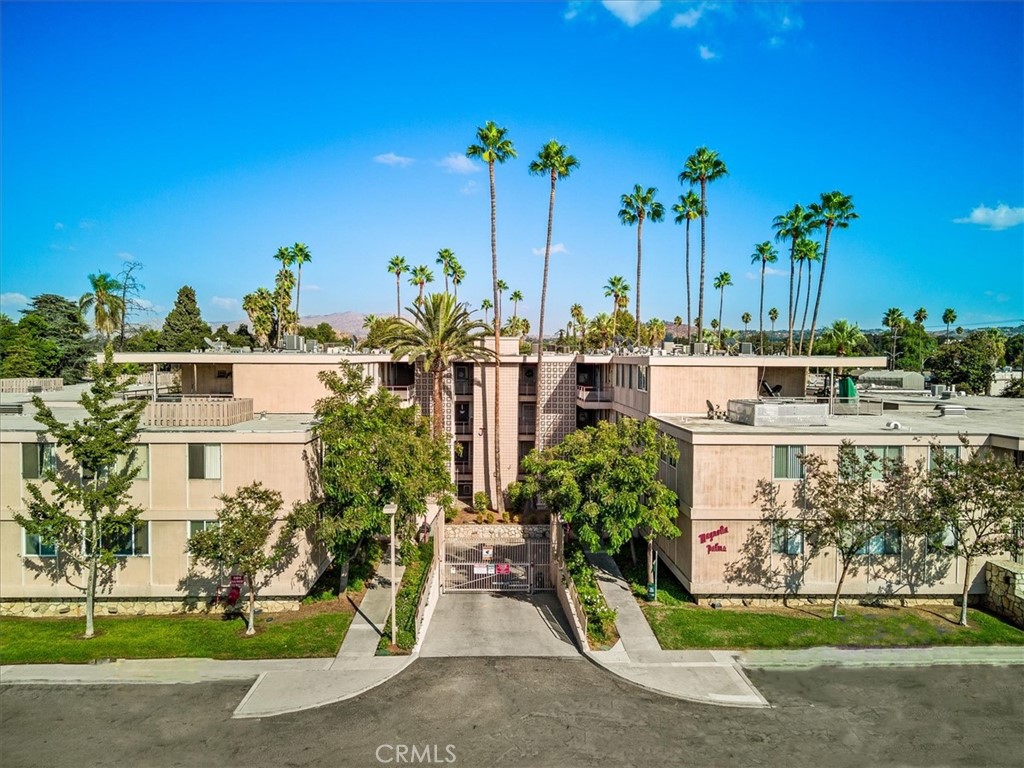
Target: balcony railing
{"points": [[402, 392], [463, 387], [593, 395], [527, 387], [464, 427], [191, 411], [527, 427]]}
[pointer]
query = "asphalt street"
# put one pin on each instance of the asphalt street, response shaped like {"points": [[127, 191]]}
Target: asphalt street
{"points": [[534, 712]]}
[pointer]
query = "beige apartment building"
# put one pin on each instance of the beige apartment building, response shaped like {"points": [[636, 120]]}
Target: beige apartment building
{"points": [[244, 416]]}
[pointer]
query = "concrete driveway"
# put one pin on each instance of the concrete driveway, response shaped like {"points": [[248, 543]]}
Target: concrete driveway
{"points": [[498, 624]]}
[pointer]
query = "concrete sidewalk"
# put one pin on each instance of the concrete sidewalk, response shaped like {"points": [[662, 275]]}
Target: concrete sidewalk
{"points": [[996, 655], [708, 677]]}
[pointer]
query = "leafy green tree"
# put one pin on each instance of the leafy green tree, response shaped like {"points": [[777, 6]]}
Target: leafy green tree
{"points": [[976, 500], [967, 364], [603, 481], [322, 332], [494, 146], [50, 341], [915, 346], [1014, 352], [397, 266], [104, 299], [87, 515], [722, 281], [241, 540], [441, 332], [835, 211], [687, 209], [637, 207], [375, 451], [702, 167], [143, 340], [184, 328], [793, 225]]}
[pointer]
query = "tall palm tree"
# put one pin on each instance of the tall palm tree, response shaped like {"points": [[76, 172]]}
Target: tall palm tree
{"points": [[494, 147], [516, 296], [420, 276], [793, 226], [835, 211], [764, 254], [638, 206], [842, 336], [745, 318], [723, 280], [553, 161], [458, 277], [287, 258], [300, 256], [603, 328], [809, 252], [259, 306], [617, 288], [773, 316], [105, 301], [580, 322], [502, 287], [485, 305], [440, 332], [702, 167], [894, 320], [446, 258], [687, 209], [948, 317], [920, 316], [396, 267]]}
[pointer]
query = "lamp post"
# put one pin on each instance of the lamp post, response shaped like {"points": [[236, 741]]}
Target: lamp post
{"points": [[390, 510]]}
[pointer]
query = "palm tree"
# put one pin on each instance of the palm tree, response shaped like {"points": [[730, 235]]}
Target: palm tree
{"points": [[834, 211], [745, 318], [808, 252], [603, 328], [502, 287], [773, 315], [396, 267], [259, 306], [702, 167], [792, 226], [617, 288], [104, 298], [894, 321], [638, 206], [948, 317], [485, 305], [842, 336], [458, 277], [287, 258], [284, 284], [494, 147], [580, 320], [440, 332], [554, 161], [420, 276], [516, 296], [687, 209], [446, 258], [724, 279], [765, 254], [300, 256], [920, 316]]}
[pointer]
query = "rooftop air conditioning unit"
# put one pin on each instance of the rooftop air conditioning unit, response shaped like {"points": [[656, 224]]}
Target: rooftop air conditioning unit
{"points": [[700, 348], [746, 348]]}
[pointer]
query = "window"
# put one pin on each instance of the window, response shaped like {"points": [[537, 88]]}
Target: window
{"points": [[37, 458], [885, 543], [641, 378], [882, 452], [949, 451], [786, 540], [464, 457], [525, 446], [944, 540], [133, 543], [195, 526], [203, 462], [36, 546], [787, 465]]}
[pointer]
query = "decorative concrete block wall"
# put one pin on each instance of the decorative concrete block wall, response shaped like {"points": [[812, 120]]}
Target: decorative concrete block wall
{"points": [[1004, 596]]}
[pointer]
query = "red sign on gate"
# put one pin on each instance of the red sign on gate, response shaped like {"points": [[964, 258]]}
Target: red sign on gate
{"points": [[502, 569], [237, 579]]}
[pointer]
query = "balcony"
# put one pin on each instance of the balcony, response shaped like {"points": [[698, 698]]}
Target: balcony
{"points": [[198, 411], [464, 427], [527, 427], [593, 397], [404, 393], [528, 387]]}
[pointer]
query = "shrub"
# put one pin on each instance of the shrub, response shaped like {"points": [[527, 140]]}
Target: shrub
{"points": [[490, 517], [481, 501], [600, 618]]}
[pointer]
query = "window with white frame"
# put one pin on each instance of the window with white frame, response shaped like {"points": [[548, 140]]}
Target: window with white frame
{"points": [[37, 459], [882, 453], [131, 543], [787, 539], [204, 461], [641, 378], [195, 526], [885, 543], [37, 546], [787, 465], [944, 540]]}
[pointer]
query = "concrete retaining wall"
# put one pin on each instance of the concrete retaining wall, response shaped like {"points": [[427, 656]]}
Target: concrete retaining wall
{"points": [[36, 608], [1004, 583], [496, 532]]}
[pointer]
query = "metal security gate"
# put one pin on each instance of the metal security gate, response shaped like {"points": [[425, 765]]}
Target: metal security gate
{"points": [[507, 565]]}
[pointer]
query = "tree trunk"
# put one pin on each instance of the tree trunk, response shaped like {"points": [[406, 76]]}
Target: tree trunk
{"points": [[821, 282], [703, 258], [839, 589], [538, 434], [650, 565], [760, 321], [298, 291], [343, 576], [437, 401], [799, 286], [632, 550], [792, 276], [721, 302], [398, 293], [499, 490], [639, 236], [251, 629], [689, 316], [963, 596], [807, 303], [90, 584]]}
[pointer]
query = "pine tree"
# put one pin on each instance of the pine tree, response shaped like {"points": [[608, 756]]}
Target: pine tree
{"points": [[184, 329]]}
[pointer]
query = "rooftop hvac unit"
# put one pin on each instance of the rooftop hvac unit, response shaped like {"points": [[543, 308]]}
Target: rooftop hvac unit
{"points": [[938, 389], [700, 348], [746, 348], [294, 343]]}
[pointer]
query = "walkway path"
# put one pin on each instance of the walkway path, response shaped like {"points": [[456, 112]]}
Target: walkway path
{"points": [[711, 677]]}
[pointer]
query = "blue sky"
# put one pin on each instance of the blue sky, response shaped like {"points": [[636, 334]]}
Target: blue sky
{"points": [[198, 138]]}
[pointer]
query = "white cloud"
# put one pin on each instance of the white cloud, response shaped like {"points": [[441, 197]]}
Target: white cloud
{"points": [[1000, 297], [469, 187], [59, 226], [456, 163], [311, 287], [390, 158], [774, 271], [631, 12], [555, 248], [13, 299], [1000, 217], [125, 256], [573, 10], [706, 53], [687, 19], [224, 303]]}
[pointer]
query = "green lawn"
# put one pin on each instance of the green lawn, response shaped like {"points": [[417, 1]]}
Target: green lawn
{"points": [[278, 636]]}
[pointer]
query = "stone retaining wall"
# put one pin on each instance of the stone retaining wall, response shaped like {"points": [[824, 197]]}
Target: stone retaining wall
{"points": [[1004, 584], [36, 608], [497, 532], [774, 601]]}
